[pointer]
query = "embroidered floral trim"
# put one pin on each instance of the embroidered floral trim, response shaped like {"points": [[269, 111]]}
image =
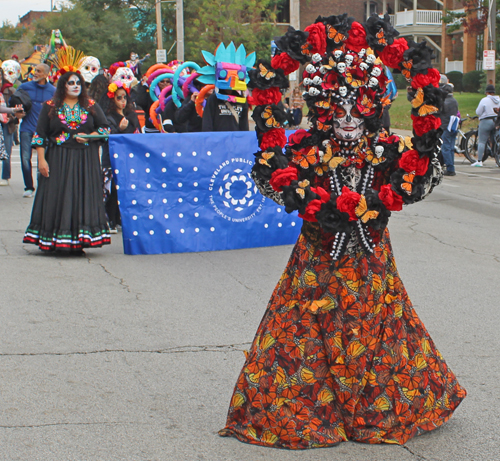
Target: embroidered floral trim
{"points": [[103, 130], [63, 137], [73, 117], [37, 140]]}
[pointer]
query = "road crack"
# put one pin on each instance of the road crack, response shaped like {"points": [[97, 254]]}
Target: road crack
{"points": [[103, 423], [414, 454]]}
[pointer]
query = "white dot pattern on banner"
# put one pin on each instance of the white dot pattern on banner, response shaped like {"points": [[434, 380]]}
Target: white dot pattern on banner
{"points": [[134, 202], [196, 215], [163, 170], [148, 186], [132, 186], [180, 200], [131, 170], [181, 215], [163, 154], [194, 154], [165, 216], [164, 200], [195, 184], [279, 210], [179, 185], [115, 155], [197, 230], [135, 233], [117, 187], [118, 201], [131, 155], [266, 225], [117, 171], [167, 231], [151, 232], [209, 153], [195, 168], [164, 186], [195, 199], [134, 218], [147, 154], [151, 216], [178, 154], [279, 224], [150, 201], [212, 229], [179, 170], [182, 231], [293, 223], [148, 170]]}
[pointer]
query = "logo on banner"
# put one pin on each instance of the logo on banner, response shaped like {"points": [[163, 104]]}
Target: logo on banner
{"points": [[234, 196]]}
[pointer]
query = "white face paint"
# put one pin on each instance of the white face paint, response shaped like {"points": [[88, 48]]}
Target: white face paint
{"points": [[376, 71], [73, 86], [379, 150], [310, 69], [370, 59], [126, 76], [343, 91], [349, 59], [317, 80], [11, 70], [90, 68], [337, 54], [373, 82], [347, 123], [341, 67]]}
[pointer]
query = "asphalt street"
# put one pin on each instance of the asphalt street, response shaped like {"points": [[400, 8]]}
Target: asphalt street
{"points": [[114, 357]]}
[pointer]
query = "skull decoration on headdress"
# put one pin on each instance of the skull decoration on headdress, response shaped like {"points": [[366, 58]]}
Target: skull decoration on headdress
{"points": [[120, 71], [90, 68], [11, 70], [228, 71]]}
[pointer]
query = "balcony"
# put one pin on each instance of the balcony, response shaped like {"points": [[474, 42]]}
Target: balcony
{"points": [[417, 22]]}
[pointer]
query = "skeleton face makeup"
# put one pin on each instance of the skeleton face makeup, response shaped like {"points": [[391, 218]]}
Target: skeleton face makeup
{"points": [[90, 68], [379, 150], [349, 59], [376, 71], [310, 69], [343, 91], [73, 86], [347, 123], [11, 70], [341, 67]]}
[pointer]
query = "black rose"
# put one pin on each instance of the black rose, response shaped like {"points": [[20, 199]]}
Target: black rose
{"points": [[294, 201], [331, 219], [264, 167], [379, 32], [263, 76], [292, 42], [268, 116], [421, 55], [374, 203], [410, 192], [426, 145]]}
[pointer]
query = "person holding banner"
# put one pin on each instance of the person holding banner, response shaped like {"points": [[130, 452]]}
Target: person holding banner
{"points": [[68, 210]]}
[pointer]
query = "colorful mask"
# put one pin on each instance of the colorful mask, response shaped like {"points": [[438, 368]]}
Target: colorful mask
{"points": [[11, 70], [125, 75], [90, 68], [228, 71]]}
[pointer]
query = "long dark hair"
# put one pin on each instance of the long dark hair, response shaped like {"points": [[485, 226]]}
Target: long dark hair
{"points": [[60, 93], [98, 87], [112, 105]]}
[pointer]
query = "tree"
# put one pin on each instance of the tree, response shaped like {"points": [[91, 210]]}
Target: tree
{"points": [[11, 38]]}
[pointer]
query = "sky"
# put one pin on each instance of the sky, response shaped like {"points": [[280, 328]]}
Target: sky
{"points": [[10, 10]]}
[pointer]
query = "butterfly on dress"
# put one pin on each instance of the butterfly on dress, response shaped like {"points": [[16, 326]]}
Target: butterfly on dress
{"points": [[331, 63], [367, 105], [306, 49], [380, 39], [353, 82], [334, 34], [418, 103], [323, 127], [268, 116], [305, 157], [407, 184], [362, 211], [301, 190], [266, 73], [323, 104], [406, 70], [265, 157], [405, 142]]}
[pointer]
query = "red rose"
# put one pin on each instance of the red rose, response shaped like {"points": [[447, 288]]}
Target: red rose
{"points": [[357, 38], [285, 62], [260, 97], [324, 196], [391, 200], [283, 177], [393, 55], [317, 38], [422, 125], [311, 209], [411, 161], [348, 202], [298, 136], [431, 78], [273, 138]]}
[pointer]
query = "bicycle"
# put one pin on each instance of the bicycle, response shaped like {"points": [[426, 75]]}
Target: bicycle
{"points": [[492, 147], [462, 139]]}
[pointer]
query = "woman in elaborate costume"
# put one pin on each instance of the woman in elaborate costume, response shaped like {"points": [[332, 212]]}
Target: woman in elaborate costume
{"points": [[68, 211], [340, 353]]}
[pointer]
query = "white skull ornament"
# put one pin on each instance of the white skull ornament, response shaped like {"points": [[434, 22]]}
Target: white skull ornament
{"points": [[125, 75], [343, 91], [307, 81], [379, 150], [363, 66], [316, 57], [310, 69], [370, 59], [373, 82], [341, 67], [317, 80], [337, 54], [361, 53], [349, 59], [314, 91], [376, 71], [11, 70], [90, 68]]}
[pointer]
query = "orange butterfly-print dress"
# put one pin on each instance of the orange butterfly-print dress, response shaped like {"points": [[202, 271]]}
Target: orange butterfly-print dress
{"points": [[340, 355]]}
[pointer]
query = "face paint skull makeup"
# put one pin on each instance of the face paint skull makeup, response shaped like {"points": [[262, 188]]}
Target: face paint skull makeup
{"points": [[11, 70], [347, 123], [90, 68], [73, 86]]}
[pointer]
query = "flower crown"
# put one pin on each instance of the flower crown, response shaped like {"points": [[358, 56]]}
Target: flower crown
{"points": [[67, 59], [115, 86], [341, 59]]}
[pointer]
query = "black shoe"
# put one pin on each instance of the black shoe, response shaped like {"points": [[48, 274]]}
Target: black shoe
{"points": [[449, 173]]}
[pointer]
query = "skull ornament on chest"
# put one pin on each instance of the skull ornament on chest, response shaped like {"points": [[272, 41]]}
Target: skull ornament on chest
{"points": [[379, 150], [373, 82], [370, 59], [337, 54], [348, 125], [363, 66], [310, 69], [90, 68], [317, 80], [343, 91]]}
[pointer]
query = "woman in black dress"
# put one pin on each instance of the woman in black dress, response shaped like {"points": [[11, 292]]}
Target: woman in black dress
{"points": [[122, 119], [68, 210]]}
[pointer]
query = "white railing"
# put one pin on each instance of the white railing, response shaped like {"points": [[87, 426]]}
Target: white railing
{"points": [[479, 64], [453, 65], [419, 17]]}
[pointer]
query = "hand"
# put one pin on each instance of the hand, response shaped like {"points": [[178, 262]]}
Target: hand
{"points": [[123, 124], [80, 140], [20, 115], [43, 168], [18, 108], [193, 96]]}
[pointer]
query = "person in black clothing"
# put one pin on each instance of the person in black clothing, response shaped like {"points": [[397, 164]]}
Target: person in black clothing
{"points": [[122, 119], [187, 112], [144, 101], [169, 119], [220, 115], [448, 137]]}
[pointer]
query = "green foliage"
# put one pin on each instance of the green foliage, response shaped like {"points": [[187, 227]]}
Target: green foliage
{"points": [[9, 32], [472, 81], [400, 81], [455, 77]]}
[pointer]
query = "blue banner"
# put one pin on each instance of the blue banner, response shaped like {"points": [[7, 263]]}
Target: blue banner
{"points": [[193, 192]]}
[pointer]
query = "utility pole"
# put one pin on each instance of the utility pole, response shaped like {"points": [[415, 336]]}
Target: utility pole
{"points": [[159, 30], [491, 45], [179, 19]]}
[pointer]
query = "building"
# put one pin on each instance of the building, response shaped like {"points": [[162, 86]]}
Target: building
{"points": [[32, 16]]}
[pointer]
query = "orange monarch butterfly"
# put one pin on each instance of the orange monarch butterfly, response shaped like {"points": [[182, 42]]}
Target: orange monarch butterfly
{"points": [[367, 104], [323, 104], [323, 127], [266, 73], [352, 81], [267, 115], [362, 211], [335, 35], [407, 186], [418, 102], [380, 37], [305, 158], [407, 65], [265, 157], [306, 49], [301, 189], [331, 63]]}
